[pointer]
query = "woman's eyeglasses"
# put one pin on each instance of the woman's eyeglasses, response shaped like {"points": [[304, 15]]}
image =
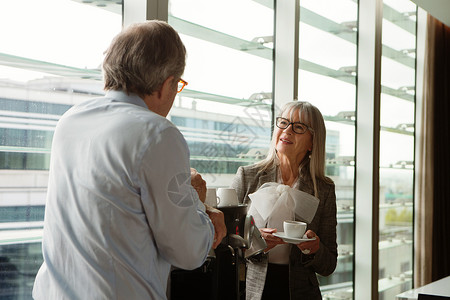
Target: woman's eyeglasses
{"points": [[181, 85], [297, 127]]}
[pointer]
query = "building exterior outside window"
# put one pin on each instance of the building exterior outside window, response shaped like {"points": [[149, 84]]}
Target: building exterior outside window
{"points": [[397, 122], [327, 78], [227, 105], [50, 58]]}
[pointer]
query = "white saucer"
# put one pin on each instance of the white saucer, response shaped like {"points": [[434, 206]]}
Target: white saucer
{"points": [[291, 240]]}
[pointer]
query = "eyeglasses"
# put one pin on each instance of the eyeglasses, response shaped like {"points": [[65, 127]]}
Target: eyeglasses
{"points": [[297, 127], [181, 85]]}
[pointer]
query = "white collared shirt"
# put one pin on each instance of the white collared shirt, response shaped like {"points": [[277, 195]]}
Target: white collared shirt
{"points": [[120, 208]]}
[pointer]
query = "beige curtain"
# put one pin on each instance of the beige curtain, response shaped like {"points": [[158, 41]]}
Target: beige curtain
{"points": [[424, 203]]}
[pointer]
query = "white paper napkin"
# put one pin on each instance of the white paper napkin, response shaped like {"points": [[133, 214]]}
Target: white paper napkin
{"points": [[275, 201]]}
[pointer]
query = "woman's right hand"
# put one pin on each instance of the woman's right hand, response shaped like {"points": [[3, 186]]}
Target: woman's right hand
{"points": [[271, 240]]}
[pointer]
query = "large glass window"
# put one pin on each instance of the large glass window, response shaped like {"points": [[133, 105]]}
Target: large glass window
{"points": [[397, 122], [327, 72], [50, 57], [225, 111], [326, 78]]}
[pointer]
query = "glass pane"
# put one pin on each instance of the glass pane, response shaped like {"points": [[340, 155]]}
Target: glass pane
{"points": [[397, 148], [327, 72], [225, 111], [50, 58]]}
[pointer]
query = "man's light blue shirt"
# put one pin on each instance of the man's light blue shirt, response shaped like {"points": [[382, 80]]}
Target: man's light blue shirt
{"points": [[120, 208]]}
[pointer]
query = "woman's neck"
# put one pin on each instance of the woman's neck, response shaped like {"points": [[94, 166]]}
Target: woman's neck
{"points": [[289, 171]]}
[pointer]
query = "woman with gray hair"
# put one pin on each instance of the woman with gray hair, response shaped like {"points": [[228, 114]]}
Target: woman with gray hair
{"points": [[296, 158]]}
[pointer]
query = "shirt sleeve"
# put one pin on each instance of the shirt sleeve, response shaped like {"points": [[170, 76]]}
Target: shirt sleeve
{"points": [[182, 231]]}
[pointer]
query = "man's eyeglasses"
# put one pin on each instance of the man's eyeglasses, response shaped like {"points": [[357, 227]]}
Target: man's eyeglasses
{"points": [[297, 127], [181, 85]]}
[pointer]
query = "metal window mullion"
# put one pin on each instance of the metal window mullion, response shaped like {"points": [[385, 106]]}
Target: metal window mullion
{"points": [[287, 14], [141, 10], [367, 149]]}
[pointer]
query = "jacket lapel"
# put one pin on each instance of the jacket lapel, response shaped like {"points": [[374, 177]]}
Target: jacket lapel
{"points": [[270, 176], [306, 186]]}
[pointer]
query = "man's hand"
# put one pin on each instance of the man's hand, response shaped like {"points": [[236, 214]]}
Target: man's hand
{"points": [[217, 218], [199, 184]]}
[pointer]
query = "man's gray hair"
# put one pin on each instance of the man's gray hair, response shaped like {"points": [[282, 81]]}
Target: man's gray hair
{"points": [[142, 57]]}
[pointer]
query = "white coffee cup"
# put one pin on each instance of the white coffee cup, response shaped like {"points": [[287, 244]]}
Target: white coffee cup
{"points": [[211, 197], [294, 229], [228, 197]]}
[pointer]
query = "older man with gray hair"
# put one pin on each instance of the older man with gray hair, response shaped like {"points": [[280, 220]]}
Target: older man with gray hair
{"points": [[123, 205]]}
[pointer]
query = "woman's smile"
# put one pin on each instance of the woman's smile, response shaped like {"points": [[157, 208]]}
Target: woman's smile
{"points": [[285, 141]]}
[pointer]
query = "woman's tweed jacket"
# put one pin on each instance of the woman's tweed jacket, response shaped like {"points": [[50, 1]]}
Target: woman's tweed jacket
{"points": [[302, 268]]}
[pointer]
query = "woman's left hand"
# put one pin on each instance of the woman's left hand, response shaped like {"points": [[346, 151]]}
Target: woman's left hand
{"points": [[310, 247]]}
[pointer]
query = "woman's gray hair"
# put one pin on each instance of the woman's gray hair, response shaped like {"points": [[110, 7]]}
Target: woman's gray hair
{"points": [[314, 162], [142, 57]]}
